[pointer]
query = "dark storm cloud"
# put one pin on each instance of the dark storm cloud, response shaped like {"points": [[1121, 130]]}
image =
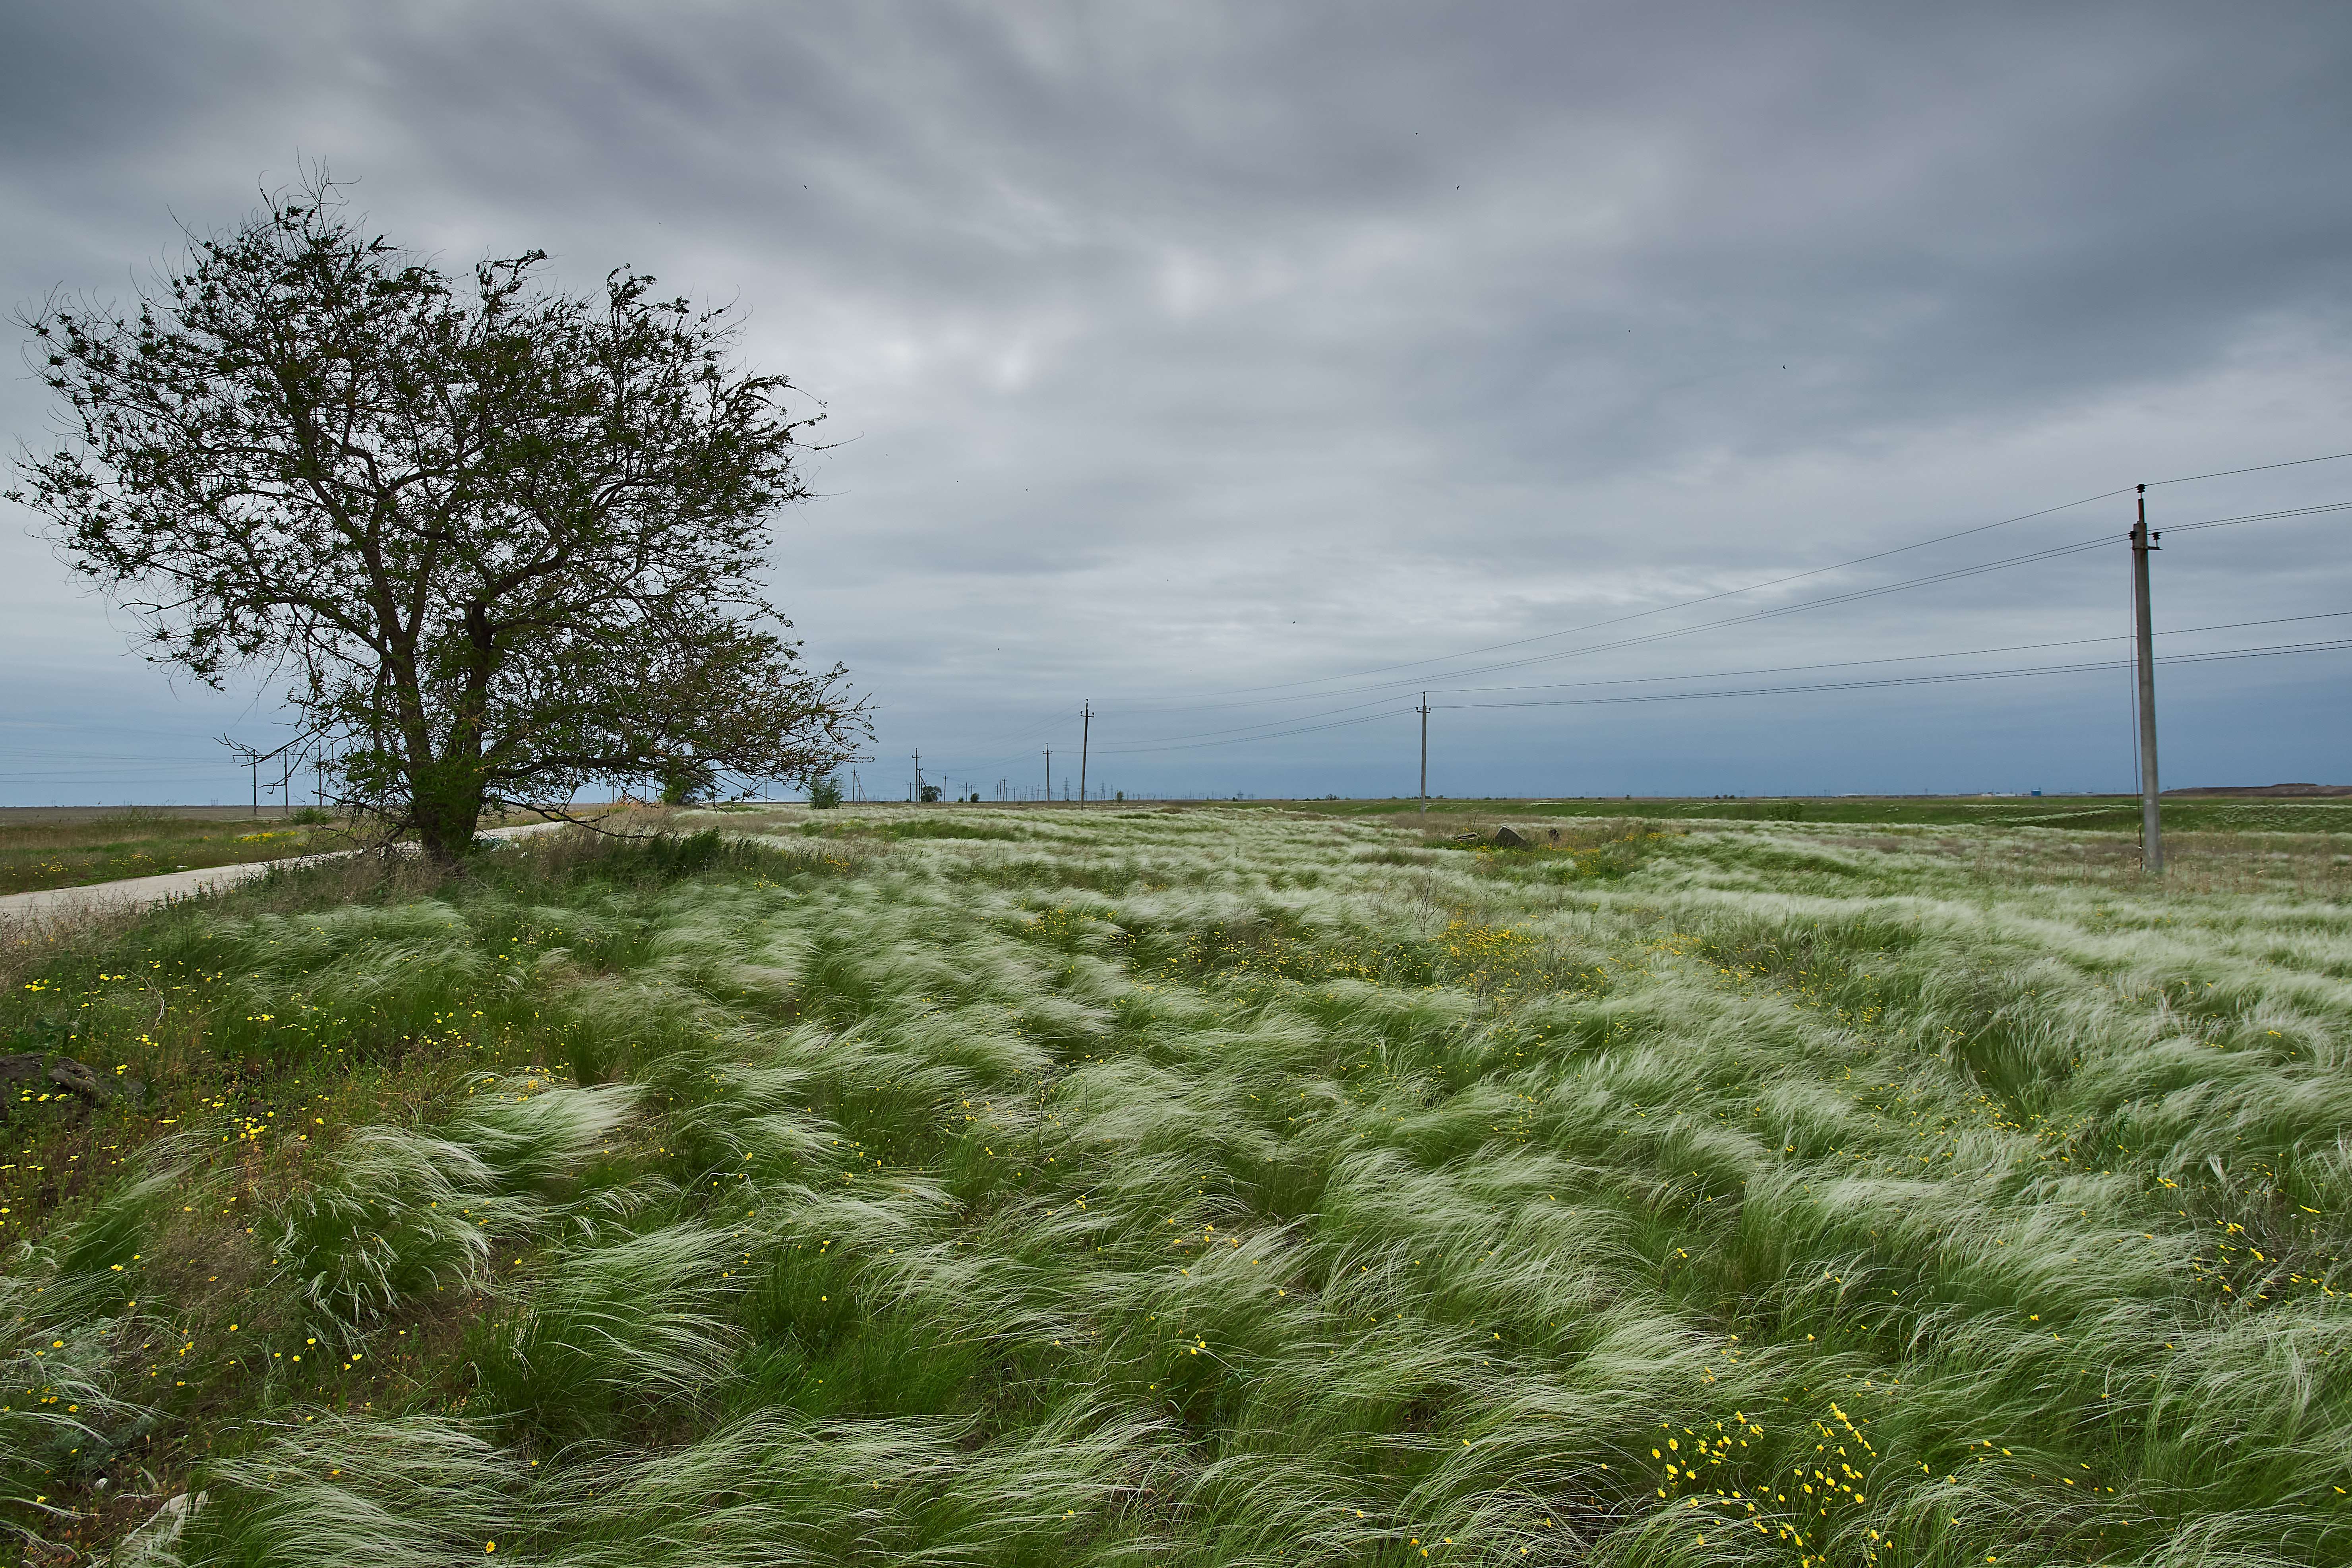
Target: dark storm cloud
{"points": [[1181, 348]]}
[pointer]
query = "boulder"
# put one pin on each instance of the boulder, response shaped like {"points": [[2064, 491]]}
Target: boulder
{"points": [[75, 1078], [64, 1075], [1506, 839]]}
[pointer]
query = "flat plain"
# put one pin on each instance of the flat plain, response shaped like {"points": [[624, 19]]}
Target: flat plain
{"points": [[1199, 1185]]}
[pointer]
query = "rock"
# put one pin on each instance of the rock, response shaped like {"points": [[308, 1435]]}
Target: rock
{"points": [[75, 1078], [1465, 838], [23, 1066], [1506, 839]]}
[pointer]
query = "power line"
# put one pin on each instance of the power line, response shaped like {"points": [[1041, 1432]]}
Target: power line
{"points": [[1795, 577], [2257, 468], [1240, 740], [2255, 517], [1683, 603], [1270, 723], [1293, 725], [1826, 602], [1239, 736], [1830, 601], [1915, 680], [1908, 657], [1018, 738]]}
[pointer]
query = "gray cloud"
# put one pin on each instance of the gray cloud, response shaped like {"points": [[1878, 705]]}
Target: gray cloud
{"points": [[1185, 348]]}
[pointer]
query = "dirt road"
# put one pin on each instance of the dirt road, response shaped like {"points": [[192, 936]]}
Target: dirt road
{"points": [[137, 893]]}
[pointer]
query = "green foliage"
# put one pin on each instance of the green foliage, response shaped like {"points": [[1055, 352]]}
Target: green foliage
{"points": [[683, 782], [1229, 1187], [824, 794]]}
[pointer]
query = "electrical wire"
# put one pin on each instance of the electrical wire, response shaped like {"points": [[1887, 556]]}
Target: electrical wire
{"points": [[1035, 732], [1900, 659], [1680, 605], [2287, 648], [1765, 615], [1240, 740], [2329, 647], [1779, 582], [2257, 468], [2255, 517], [1827, 601]]}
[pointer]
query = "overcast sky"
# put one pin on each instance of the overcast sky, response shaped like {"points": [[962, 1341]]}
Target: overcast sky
{"points": [[1243, 365]]}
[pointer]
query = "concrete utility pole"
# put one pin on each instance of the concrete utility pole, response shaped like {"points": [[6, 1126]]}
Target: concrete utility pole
{"points": [[1048, 797], [2151, 820], [1423, 712], [1085, 735]]}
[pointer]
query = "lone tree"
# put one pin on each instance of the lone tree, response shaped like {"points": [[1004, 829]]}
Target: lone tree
{"points": [[502, 541]]}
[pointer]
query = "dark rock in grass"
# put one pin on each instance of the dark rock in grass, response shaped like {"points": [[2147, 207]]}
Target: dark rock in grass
{"points": [[75, 1078], [1465, 838], [1506, 839], [65, 1075]]}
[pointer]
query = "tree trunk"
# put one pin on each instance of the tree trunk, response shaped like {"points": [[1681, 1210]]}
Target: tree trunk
{"points": [[448, 808]]}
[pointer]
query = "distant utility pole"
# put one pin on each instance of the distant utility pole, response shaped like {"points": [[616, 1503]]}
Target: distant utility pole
{"points": [[1048, 797], [1423, 712], [1085, 735], [2151, 820]]}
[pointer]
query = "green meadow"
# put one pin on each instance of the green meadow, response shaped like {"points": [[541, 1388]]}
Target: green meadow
{"points": [[1211, 1185]]}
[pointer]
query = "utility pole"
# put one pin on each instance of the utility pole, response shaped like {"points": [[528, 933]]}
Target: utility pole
{"points": [[1049, 775], [2151, 820], [1423, 712], [1085, 735]]}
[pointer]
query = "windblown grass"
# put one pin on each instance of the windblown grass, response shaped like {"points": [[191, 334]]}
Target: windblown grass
{"points": [[1221, 1187]]}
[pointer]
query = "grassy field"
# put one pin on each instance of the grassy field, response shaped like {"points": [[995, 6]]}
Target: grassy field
{"points": [[1215, 1185], [45, 848], [71, 846]]}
